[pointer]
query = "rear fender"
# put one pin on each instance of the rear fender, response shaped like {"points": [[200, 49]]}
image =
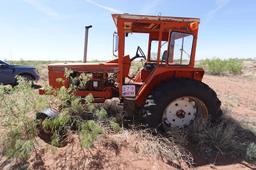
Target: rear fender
{"points": [[161, 75]]}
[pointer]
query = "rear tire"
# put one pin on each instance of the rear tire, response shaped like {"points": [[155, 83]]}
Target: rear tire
{"points": [[162, 99]]}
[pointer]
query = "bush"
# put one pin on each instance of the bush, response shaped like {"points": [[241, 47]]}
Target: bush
{"points": [[234, 66], [89, 132], [72, 109], [17, 106], [219, 137], [114, 125], [217, 66]]}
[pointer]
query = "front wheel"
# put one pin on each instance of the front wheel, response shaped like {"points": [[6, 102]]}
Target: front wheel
{"points": [[179, 103]]}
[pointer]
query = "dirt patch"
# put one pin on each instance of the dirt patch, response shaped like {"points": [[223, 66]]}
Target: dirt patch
{"points": [[237, 93], [106, 154], [249, 69]]}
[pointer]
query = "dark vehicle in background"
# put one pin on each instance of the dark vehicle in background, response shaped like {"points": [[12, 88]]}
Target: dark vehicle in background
{"points": [[9, 73]]}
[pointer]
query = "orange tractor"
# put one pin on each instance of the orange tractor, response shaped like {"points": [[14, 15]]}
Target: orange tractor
{"points": [[168, 90]]}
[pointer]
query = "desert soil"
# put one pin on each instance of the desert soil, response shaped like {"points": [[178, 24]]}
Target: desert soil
{"points": [[238, 96]]}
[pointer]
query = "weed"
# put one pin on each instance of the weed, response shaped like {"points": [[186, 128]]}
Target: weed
{"points": [[56, 123], [114, 125], [101, 113], [220, 136], [89, 102], [88, 133], [76, 106]]}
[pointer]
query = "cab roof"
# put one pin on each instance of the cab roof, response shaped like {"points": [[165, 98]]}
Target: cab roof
{"points": [[153, 18], [148, 22]]}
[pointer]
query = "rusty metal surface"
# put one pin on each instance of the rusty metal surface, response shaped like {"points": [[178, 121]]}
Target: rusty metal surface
{"points": [[154, 18]]}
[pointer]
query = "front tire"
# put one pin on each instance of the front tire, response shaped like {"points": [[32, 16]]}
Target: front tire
{"points": [[180, 103]]}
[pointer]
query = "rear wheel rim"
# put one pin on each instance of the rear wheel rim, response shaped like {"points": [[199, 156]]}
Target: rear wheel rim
{"points": [[183, 111]]}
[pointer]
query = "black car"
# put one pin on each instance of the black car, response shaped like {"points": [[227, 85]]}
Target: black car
{"points": [[9, 73]]}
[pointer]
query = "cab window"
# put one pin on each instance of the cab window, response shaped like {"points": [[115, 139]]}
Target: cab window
{"points": [[154, 50], [180, 48]]}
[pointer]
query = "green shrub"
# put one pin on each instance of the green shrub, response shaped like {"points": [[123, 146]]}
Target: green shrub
{"points": [[54, 124], [89, 132], [89, 102], [234, 66], [17, 106], [71, 110], [114, 125], [101, 113], [219, 137], [217, 66]]}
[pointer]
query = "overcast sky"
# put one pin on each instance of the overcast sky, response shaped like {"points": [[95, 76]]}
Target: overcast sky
{"points": [[54, 29]]}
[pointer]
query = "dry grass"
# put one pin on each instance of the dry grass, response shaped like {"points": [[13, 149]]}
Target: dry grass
{"points": [[144, 143]]}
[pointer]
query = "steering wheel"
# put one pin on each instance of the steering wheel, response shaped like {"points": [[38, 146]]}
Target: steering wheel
{"points": [[139, 54]]}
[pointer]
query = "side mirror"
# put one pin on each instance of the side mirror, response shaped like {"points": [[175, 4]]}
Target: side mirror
{"points": [[115, 44]]}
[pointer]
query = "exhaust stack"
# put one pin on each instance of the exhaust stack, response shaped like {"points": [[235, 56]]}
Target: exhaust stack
{"points": [[86, 42]]}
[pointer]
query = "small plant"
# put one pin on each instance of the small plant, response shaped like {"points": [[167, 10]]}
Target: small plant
{"points": [[54, 124], [101, 113], [88, 133], [114, 125], [76, 106], [89, 102], [219, 137]]}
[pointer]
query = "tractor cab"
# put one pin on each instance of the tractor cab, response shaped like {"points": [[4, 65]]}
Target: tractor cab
{"points": [[171, 40]]}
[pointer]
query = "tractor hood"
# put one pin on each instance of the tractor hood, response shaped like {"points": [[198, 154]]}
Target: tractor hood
{"points": [[84, 67]]}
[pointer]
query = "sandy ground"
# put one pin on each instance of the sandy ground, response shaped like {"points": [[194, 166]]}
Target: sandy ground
{"points": [[236, 93], [238, 96]]}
